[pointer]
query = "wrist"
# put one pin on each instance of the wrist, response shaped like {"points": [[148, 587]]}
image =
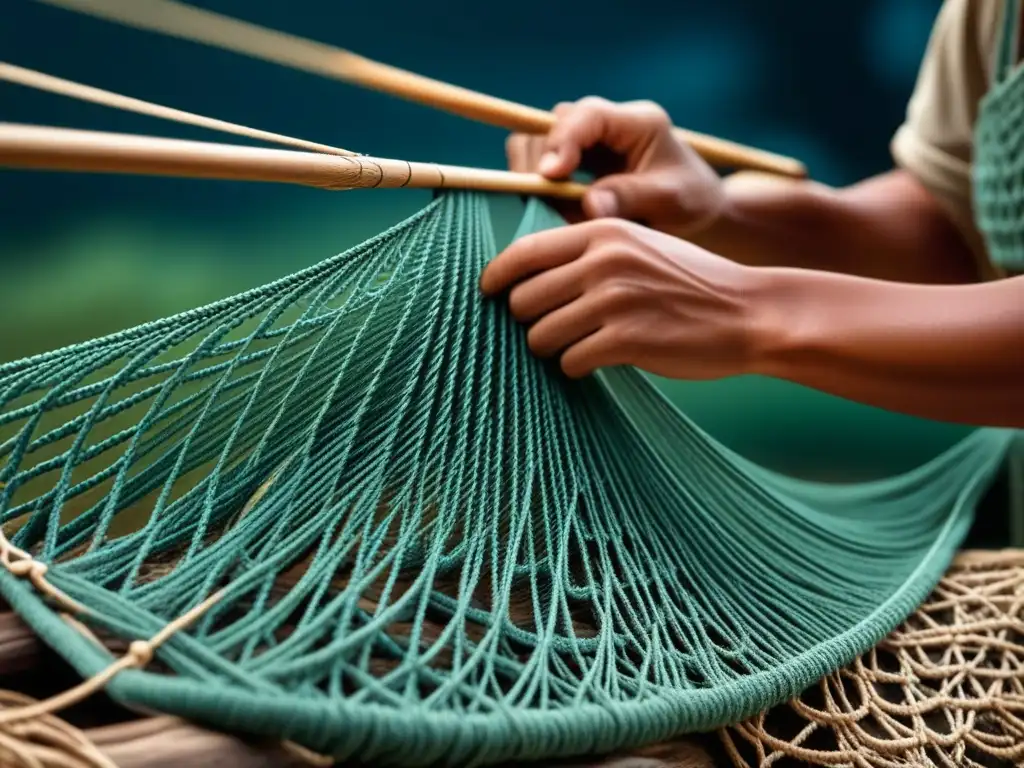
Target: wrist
{"points": [[782, 320], [715, 214], [725, 226]]}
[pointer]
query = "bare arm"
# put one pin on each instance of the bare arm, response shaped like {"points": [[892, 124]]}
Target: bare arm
{"points": [[951, 353], [608, 292], [888, 227]]}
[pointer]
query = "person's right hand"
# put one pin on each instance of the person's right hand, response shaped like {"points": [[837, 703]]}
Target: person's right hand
{"points": [[657, 180]]}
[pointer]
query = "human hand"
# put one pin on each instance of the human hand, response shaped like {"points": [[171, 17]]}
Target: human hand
{"points": [[610, 292], [646, 174]]}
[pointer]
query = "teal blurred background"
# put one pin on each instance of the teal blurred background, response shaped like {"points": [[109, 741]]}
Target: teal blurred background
{"points": [[86, 255]]}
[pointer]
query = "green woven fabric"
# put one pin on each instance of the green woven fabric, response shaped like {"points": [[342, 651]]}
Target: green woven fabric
{"points": [[433, 545], [998, 159]]}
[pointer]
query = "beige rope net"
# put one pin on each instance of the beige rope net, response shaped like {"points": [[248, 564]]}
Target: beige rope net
{"points": [[945, 689]]}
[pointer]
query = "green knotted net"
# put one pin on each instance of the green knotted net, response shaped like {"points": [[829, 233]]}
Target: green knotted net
{"points": [[998, 153], [428, 544]]}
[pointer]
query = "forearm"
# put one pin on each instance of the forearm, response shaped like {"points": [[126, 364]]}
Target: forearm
{"points": [[887, 227], [951, 353]]}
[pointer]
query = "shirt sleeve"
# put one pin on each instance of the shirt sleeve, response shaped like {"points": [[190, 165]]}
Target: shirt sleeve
{"points": [[934, 143]]}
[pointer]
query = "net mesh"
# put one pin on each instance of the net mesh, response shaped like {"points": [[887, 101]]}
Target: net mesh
{"points": [[998, 152], [946, 688], [395, 534]]}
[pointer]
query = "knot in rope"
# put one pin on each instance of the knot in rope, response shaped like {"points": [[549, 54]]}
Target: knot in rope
{"points": [[31, 569], [140, 653]]}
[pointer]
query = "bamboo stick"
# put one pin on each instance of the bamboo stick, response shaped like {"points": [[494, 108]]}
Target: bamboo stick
{"points": [[32, 79], [65, 149], [178, 19]]}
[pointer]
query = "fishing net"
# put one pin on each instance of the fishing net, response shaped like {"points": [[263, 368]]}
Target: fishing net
{"points": [[944, 689], [349, 510]]}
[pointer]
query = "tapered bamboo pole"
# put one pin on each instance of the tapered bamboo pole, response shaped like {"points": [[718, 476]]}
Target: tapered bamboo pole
{"points": [[43, 82], [64, 149], [178, 19]]}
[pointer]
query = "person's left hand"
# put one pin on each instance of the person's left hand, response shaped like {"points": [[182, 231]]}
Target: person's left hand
{"points": [[609, 292]]}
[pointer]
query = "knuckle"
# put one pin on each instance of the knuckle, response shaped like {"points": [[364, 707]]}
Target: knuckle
{"points": [[615, 295], [611, 250], [625, 336], [625, 346], [591, 110], [582, 123], [593, 103], [607, 230], [617, 342], [607, 263], [652, 112]]}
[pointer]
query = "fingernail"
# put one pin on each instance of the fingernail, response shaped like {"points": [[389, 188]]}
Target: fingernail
{"points": [[548, 163], [602, 203]]}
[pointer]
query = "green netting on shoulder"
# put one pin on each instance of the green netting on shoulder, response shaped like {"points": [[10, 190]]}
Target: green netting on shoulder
{"points": [[430, 545], [997, 167]]}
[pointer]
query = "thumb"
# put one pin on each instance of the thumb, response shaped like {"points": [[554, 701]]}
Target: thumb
{"points": [[650, 196], [621, 196]]}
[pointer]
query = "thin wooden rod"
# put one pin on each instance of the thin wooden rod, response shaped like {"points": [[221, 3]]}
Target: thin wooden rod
{"points": [[42, 82], [178, 19], [64, 149]]}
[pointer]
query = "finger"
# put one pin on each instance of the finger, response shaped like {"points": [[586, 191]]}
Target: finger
{"points": [[668, 195], [601, 349], [547, 291], [565, 326], [523, 152], [624, 196], [534, 253], [536, 149], [578, 127], [517, 152], [594, 122], [603, 203]]}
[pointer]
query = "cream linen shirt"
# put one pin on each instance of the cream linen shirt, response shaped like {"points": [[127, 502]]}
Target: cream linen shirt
{"points": [[934, 142]]}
